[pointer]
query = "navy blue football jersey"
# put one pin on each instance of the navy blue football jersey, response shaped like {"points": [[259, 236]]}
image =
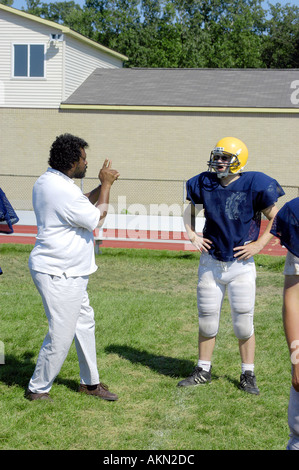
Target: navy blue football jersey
{"points": [[233, 212], [286, 226]]}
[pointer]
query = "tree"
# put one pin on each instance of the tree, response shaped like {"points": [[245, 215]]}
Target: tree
{"points": [[7, 2], [185, 33], [281, 43], [236, 34]]}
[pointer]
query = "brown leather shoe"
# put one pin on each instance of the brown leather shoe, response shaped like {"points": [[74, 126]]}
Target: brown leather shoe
{"points": [[37, 396], [101, 391]]}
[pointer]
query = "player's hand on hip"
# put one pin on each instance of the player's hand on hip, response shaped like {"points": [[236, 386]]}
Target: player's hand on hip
{"points": [[247, 251], [200, 243], [107, 174]]}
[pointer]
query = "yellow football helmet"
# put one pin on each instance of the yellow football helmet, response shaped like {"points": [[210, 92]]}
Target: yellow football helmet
{"points": [[229, 147]]}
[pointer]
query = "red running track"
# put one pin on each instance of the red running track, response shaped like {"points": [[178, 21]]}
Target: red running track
{"points": [[25, 234]]}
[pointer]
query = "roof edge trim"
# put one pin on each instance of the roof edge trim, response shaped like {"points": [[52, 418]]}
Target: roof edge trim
{"points": [[179, 109]]}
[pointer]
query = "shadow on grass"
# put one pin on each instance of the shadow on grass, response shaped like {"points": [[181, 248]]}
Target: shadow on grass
{"points": [[168, 366], [18, 371]]}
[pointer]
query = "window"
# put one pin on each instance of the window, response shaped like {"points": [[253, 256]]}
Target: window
{"points": [[29, 60]]}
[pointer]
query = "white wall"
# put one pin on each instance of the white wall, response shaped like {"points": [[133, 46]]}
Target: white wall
{"points": [[67, 63]]}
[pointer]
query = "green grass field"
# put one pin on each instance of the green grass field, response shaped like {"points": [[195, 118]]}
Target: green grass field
{"points": [[146, 329]]}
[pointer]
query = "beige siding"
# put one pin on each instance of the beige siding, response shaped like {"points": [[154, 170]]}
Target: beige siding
{"points": [[67, 64], [29, 92], [80, 61]]}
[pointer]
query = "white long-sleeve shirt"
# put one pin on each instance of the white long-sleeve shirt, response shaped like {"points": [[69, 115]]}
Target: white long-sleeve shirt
{"points": [[65, 220]]}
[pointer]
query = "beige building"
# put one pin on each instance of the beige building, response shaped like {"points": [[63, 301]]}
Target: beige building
{"points": [[157, 126], [41, 64]]}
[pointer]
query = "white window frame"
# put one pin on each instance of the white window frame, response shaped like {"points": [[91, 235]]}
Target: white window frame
{"points": [[28, 77]]}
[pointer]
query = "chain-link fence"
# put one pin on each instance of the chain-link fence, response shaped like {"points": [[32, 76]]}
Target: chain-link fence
{"points": [[128, 195]]}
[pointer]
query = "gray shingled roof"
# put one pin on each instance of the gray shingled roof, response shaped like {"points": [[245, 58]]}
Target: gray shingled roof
{"points": [[257, 88]]}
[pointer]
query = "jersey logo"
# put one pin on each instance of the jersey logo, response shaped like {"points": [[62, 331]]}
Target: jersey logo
{"points": [[234, 205]]}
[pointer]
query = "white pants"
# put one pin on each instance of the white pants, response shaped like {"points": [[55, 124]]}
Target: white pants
{"points": [[291, 268], [213, 278], [293, 420], [70, 316], [291, 265]]}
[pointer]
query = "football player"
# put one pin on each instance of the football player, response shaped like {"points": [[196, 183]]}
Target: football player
{"points": [[233, 202], [286, 228]]}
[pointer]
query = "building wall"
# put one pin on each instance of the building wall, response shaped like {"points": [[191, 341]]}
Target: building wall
{"points": [[150, 149], [29, 92], [80, 61], [67, 64]]}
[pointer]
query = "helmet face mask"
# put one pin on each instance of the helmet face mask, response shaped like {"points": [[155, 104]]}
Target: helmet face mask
{"points": [[229, 156], [219, 160]]}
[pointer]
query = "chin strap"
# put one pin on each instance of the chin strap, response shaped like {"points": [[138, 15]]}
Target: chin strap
{"points": [[222, 175]]}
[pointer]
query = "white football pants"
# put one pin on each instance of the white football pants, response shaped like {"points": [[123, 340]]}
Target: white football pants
{"points": [[213, 278], [293, 420], [70, 316]]}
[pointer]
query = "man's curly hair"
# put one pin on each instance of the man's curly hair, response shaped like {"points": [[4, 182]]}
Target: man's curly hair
{"points": [[65, 151]]}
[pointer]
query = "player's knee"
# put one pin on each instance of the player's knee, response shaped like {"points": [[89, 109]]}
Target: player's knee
{"points": [[208, 304], [208, 317], [243, 326], [208, 326], [242, 315]]}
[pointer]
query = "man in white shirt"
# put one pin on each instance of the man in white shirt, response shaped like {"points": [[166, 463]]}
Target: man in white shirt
{"points": [[61, 262]]}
